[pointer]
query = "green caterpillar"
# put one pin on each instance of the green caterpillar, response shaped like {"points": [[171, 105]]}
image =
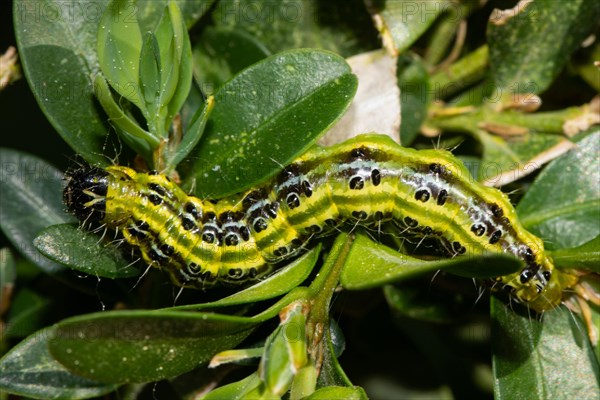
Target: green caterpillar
{"points": [[367, 181]]}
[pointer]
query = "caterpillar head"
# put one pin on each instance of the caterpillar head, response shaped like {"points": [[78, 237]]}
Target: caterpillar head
{"points": [[539, 286], [85, 193]]}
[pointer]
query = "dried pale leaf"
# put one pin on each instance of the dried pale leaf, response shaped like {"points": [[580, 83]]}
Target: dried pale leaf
{"points": [[500, 17], [503, 130], [376, 105], [590, 116]]}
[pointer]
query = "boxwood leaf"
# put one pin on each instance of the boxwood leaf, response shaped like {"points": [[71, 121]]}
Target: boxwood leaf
{"points": [[585, 256], [29, 370], [143, 346], [31, 201], [119, 48], [550, 359], [563, 204], [371, 264], [553, 30], [257, 127], [83, 251]]}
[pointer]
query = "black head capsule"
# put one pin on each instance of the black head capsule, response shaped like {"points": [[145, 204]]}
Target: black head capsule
{"points": [[85, 193]]}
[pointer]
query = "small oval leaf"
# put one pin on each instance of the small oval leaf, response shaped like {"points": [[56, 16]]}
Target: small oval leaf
{"points": [[82, 251], [256, 127], [144, 346]]}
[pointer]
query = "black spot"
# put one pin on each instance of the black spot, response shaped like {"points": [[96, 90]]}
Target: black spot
{"points": [[496, 210], [359, 152], [378, 215], [142, 225], [155, 199], [188, 224], [357, 183], [136, 233], [331, 222], [478, 229], [208, 236], [495, 237], [292, 200], [245, 232], [376, 177], [253, 197], [167, 250], [230, 216], [259, 225], [190, 208], [288, 172], [271, 209], [436, 168], [296, 242], [422, 195], [413, 223], [307, 188], [528, 254], [547, 275], [458, 248], [252, 272], [360, 214], [314, 229], [209, 217], [526, 275], [280, 252], [232, 239], [193, 268], [427, 230], [153, 172], [442, 196], [158, 189], [235, 272]]}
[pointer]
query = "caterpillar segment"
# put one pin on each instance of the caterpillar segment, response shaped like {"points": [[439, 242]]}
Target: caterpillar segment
{"points": [[366, 181]]}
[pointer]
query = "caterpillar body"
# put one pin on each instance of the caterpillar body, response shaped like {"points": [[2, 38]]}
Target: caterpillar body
{"points": [[368, 180]]}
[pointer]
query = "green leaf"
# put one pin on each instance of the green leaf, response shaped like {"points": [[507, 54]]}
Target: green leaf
{"points": [[119, 48], [331, 373], [501, 156], [183, 50], [585, 256], [402, 22], [285, 350], [531, 43], [144, 346], [58, 56], [192, 135], [341, 26], [338, 392], [150, 67], [371, 264], [26, 315], [549, 359], [140, 140], [236, 390], [563, 204], [221, 53], [256, 127], [83, 251], [29, 370], [281, 282], [413, 80], [31, 201]]}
